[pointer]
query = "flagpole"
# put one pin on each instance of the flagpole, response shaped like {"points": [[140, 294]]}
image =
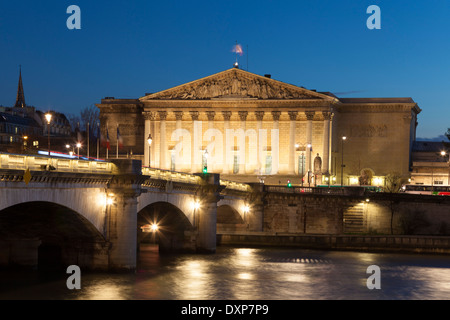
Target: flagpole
{"points": [[107, 141], [88, 140], [117, 143], [98, 140]]}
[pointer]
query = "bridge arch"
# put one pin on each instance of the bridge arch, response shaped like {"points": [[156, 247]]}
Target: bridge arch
{"points": [[174, 233], [49, 237], [231, 215], [88, 202]]}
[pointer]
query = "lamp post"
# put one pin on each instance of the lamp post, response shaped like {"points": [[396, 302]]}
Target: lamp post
{"points": [[309, 165], [78, 149], [342, 163], [303, 167], [444, 154], [48, 117], [25, 139], [149, 141]]}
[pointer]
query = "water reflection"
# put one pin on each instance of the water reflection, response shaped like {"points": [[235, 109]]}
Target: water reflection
{"points": [[249, 273]]}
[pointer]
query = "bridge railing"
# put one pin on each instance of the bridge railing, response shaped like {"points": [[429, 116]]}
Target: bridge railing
{"points": [[175, 176], [235, 185], [300, 190], [38, 163]]}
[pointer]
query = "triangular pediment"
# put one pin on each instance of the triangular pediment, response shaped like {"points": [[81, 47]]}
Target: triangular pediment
{"points": [[236, 84]]}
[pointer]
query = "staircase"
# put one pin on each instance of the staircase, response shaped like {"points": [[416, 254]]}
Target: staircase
{"points": [[354, 219]]}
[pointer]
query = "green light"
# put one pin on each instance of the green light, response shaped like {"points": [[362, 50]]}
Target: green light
{"points": [[205, 169], [289, 184]]}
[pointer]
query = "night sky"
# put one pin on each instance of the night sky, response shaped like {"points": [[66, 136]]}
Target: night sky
{"points": [[128, 48]]}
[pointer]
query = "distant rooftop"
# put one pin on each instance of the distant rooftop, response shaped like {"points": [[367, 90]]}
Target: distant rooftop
{"points": [[430, 146]]}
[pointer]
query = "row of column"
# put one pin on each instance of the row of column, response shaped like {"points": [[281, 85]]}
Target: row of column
{"points": [[150, 117]]}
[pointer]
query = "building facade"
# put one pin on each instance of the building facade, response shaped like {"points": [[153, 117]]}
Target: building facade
{"points": [[430, 163], [245, 125]]}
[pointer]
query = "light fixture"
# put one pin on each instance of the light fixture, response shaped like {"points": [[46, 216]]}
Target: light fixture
{"points": [[150, 140], [246, 209], [196, 205], [110, 199], [48, 117]]}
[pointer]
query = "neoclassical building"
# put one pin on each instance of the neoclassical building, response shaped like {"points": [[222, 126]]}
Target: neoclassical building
{"points": [[245, 125]]}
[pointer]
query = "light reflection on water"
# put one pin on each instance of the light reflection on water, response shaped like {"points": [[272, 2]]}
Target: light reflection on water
{"points": [[251, 274]]}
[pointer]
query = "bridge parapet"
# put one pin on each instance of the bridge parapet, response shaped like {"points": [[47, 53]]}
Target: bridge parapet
{"points": [[39, 163], [236, 185], [174, 176]]}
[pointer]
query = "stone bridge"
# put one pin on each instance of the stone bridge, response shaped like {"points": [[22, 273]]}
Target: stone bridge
{"points": [[93, 213]]}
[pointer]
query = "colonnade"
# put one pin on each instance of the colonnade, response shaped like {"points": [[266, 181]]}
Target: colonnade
{"points": [[152, 117]]}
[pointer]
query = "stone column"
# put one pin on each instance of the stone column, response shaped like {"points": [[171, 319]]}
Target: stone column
{"points": [[178, 118], [211, 164], [226, 148], [194, 150], [178, 127], [292, 123], [275, 144], [147, 117], [163, 141], [309, 119], [326, 143], [259, 118], [152, 159], [242, 153]]}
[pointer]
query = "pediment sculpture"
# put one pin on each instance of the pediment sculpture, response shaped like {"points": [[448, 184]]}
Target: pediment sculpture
{"points": [[234, 83]]}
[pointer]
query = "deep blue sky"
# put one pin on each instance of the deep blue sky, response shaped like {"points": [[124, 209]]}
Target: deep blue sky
{"points": [[128, 48]]}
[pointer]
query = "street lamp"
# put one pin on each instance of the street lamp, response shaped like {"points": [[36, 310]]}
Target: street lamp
{"points": [[342, 163], [149, 140], [78, 149], [25, 139], [48, 117], [444, 154], [303, 167], [309, 165]]}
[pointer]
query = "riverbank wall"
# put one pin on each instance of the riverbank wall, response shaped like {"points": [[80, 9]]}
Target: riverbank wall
{"points": [[365, 243]]}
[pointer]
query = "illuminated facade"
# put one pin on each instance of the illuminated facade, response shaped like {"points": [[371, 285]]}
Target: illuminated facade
{"points": [[240, 124]]}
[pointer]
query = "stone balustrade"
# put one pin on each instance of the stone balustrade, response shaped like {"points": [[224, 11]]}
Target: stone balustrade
{"points": [[40, 163]]}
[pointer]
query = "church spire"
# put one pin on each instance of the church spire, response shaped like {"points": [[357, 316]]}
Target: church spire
{"points": [[20, 100]]}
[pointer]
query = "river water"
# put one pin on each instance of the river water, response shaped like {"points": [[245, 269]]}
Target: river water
{"points": [[248, 274]]}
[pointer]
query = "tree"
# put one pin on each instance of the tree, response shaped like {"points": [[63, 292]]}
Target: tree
{"points": [[394, 181], [90, 115], [447, 134]]}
